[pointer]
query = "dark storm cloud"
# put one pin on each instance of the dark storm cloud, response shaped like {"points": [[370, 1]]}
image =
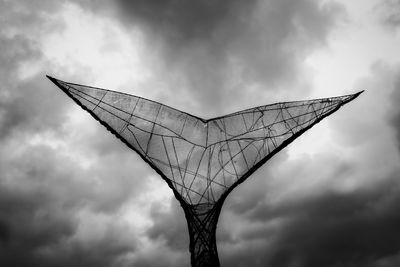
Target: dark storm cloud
{"points": [[320, 228], [218, 49], [170, 230], [15, 49], [170, 226], [324, 225], [395, 112], [28, 106], [390, 13], [30, 224], [42, 191], [181, 22], [329, 229], [27, 16], [41, 196], [25, 104], [46, 196], [375, 116]]}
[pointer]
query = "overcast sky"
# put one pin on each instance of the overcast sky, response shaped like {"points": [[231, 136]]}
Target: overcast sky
{"points": [[71, 194]]}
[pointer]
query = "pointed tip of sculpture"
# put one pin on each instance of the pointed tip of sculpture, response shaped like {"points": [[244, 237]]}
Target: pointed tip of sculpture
{"points": [[355, 95], [359, 93], [51, 78], [57, 83]]}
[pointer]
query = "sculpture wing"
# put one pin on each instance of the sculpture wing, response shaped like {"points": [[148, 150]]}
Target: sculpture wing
{"points": [[201, 160], [171, 141], [242, 141]]}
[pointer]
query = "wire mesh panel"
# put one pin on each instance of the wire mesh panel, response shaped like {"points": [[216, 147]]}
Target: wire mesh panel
{"points": [[201, 160]]}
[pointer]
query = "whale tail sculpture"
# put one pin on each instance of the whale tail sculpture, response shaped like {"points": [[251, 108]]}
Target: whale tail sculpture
{"points": [[201, 160]]}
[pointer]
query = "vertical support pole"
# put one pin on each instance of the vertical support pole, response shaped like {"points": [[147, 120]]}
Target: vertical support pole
{"points": [[202, 222]]}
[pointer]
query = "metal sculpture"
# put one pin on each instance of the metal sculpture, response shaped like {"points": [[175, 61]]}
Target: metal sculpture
{"points": [[201, 160]]}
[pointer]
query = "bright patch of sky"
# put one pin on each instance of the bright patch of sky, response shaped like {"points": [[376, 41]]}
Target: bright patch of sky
{"points": [[354, 47]]}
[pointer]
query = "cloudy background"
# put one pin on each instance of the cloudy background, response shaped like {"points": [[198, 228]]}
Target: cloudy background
{"points": [[71, 194]]}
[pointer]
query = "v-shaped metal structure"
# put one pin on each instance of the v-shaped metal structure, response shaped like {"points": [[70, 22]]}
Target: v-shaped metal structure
{"points": [[201, 160]]}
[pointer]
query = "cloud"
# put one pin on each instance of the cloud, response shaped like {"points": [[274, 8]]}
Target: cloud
{"points": [[29, 107], [53, 217], [73, 195], [170, 225], [326, 230], [169, 231], [60, 198], [327, 209], [62, 189], [329, 229], [216, 52], [25, 104], [390, 13], [395, 112], [181, 22]]}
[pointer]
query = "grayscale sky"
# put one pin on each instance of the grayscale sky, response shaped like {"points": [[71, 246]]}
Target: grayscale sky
{"points": [[71, 194]]}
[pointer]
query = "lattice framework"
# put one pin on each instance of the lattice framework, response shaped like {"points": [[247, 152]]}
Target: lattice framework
{"points": [[201, 160]]}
